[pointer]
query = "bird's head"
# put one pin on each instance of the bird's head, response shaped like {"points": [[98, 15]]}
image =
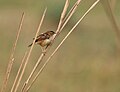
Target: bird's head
{"points": [[51, 33]]}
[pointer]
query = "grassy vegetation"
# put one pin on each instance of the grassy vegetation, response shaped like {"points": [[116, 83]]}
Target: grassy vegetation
{"points": [[86, 62]]}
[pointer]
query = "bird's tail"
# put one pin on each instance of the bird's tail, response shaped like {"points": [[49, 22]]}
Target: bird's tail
{"points": [[30, 45]]}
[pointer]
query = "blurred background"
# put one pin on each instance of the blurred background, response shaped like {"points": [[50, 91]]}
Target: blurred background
{"points": [[86, 62]]}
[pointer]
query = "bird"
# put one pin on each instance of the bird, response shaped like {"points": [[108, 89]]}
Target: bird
{"points": [[44, 39]]}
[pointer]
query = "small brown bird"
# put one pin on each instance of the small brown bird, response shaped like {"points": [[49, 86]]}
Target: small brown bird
{"points": [[44, 39]]}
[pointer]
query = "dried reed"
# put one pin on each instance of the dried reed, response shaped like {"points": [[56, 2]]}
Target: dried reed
{"points": [[65, 17], [26, 62], [11, 60], [41, 69], [17, 81]]}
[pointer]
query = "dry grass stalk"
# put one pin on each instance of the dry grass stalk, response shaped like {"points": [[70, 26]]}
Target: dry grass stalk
{"points": [[17, 81], [35, 67], [61, 44], [39, 26], [62, 19], [43, 54], [70, 13], [58, 29], [11, 60], [62, 15]]}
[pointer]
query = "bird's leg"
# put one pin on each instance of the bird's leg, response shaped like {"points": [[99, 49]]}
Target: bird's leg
{"points": [[43, 49], [30, 45], [46, 47]]}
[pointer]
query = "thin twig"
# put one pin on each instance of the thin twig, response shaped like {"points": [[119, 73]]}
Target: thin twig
{"points": [[60, 22], [43, 54], [35, 67], [63, 15], [69, 12], [39, 72], [18, 73], [72, 11], [39, 26], [11, 60]]}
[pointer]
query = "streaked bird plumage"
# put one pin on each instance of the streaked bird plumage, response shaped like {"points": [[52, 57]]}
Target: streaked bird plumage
{"points": [[44, 39]]}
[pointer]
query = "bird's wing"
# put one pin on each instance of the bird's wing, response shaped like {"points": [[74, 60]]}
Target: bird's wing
{"points": [[40, 37]]}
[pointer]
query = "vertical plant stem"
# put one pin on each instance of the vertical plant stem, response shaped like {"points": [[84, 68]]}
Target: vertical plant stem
{"points": [[18, 73], [39, 26], [35, 67], [11, 60], [47, 61], [72, 11], [43, 54], [63, 15]]}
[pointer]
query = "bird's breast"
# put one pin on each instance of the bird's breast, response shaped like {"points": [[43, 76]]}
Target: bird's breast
{"points": [[45, 42]]}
